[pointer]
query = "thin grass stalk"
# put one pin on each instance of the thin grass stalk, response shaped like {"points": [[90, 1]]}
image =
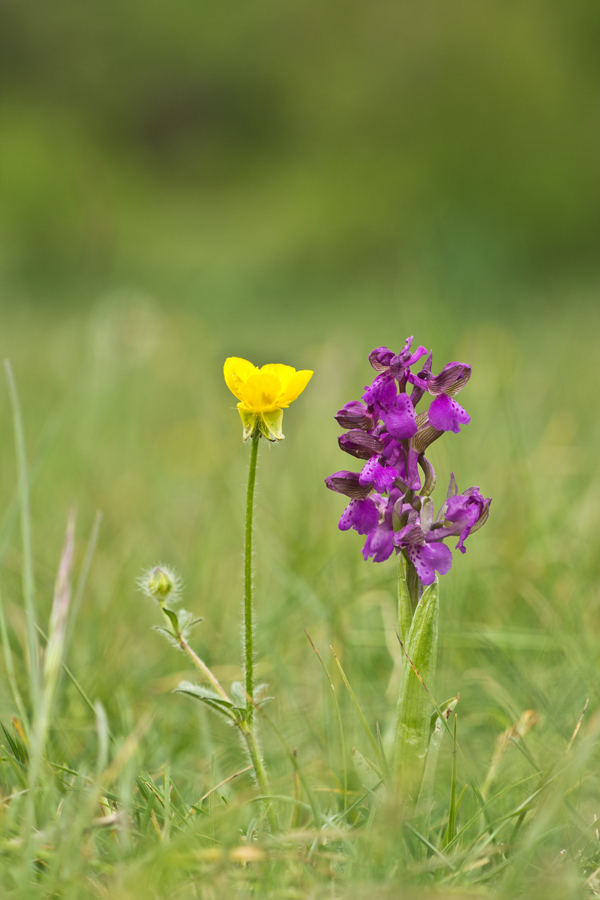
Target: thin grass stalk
{"points": [[26, 542], [451, 830], [340, 723], [10, 669], [83, 577], [50, 672]]}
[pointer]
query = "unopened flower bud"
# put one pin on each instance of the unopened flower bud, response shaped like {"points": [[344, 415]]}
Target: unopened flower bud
{"points": [[355, 415], [360, 444], [348, 483], [160, 583]]}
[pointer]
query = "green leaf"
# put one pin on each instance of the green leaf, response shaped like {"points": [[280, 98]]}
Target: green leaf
{"points": [[360, 714], [172, 617], [451, 830], [369, 774], [210, 699], [28, 577], [413, 713], [425, 801], [238, 693]]}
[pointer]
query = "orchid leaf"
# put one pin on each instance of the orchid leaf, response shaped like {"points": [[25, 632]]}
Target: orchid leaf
{"points": [[413, 716]]}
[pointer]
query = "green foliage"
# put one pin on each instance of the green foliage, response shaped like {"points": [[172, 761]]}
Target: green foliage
{"points": [[146, 793], [413, 715]]}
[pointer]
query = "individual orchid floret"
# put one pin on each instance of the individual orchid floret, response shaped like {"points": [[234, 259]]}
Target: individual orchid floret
{"points": [[362, 515], [401, 419], [384, 360], [356, 415], [392, 368], [461, 514], [445, 414], [381, 358], [358, 443], [426, 557], [380, 477], [380, 542], [348, 483], [451, 379], [263, 394], [382, 393]]}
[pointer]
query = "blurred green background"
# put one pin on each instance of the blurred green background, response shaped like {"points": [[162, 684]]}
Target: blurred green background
{"points": [[241, 158], [298, 183]]}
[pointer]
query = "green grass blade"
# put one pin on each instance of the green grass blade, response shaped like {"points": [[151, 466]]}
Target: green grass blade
{"points": [[339, 718], [360, 714], [318, 816], [27, 543], [425, 801], [10, 669], [83, 577], [451, 829]]}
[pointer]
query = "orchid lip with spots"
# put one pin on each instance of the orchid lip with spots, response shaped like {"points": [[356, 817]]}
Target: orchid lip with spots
{"points": [[390, 497]]}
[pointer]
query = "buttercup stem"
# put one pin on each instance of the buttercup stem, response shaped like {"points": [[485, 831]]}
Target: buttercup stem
{"points": [[261, 775], [248, 725], [248, 622]]}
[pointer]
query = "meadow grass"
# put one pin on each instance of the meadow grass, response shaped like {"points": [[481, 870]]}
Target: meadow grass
{"points": [[143, 793]]}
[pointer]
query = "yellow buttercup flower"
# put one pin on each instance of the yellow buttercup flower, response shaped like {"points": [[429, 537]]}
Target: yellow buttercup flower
{"points": [[263, 393]]}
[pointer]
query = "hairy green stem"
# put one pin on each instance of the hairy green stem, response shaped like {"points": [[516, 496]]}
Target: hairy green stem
{"points": [[248, 619], [201, 666], [248, 727], [260, 772]]}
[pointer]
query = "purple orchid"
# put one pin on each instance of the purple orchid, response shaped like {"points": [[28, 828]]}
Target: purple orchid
{"points": [[390, 499], [426, 557], [360, 444], [401, 419], [445, 414], [362, 515], [461, 514], [356, 415], [348, 483]]}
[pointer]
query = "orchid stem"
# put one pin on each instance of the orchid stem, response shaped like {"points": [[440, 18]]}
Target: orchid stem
{"points": [[248, 619], [415, 588]]}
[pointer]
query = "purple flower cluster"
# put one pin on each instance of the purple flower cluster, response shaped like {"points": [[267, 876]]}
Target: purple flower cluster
{"points": [[390, 498]]}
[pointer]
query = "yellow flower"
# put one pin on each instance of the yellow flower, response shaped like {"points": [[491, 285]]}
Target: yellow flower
{"points": [[263, 393]]}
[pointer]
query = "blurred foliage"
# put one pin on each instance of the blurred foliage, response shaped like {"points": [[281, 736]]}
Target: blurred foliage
{"points": [[302, 142]]}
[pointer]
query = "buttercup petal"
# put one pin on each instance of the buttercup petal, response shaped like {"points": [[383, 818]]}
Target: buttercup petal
{"points": [[261, 392], [295, 386], [284, 373], [237, 371]]}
